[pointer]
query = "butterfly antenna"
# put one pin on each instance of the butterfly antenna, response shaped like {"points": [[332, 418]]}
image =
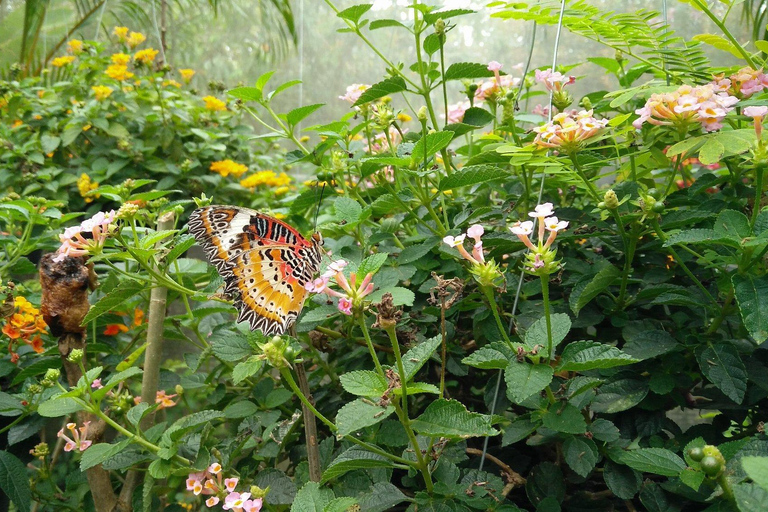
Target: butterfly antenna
{"points": [[317, 211]]}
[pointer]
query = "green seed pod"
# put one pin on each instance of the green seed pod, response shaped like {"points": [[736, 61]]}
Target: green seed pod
{"points": [[696, 453], [711, 466]]}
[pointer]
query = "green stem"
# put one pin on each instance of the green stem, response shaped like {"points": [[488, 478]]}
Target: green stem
{"points": [[673, 253], [488, 292], [367, 336], [288, 378], [703, 8], [402, 410], [629, 254], [759, 172], [545, 295]]}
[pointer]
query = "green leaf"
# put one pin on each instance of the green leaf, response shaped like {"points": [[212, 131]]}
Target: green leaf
{"points": [[359, 414], [598, 284], [312, 498], [372, 264], [564, 418], [377, 24], [461, 70], [752, 297], [649, 344], [695, 236], [282, 490], [431, 43], [449, 418], [382, 496], [524, 379], [187, 423], [341, 504], [692, 478], [473, 175], [400, 296], [352, 459], [592, 355], [536, 335], [722, 366], [486, 358], [619, 395], [418, 356], [240, 409], [364, 383], [137, 412], [9, 405], [604, 430], [429, 145], [732, 224], [381, 89], [354, 13], [297, 115], [757, 469], [246, 369], [416, 252], [98, 453], [581, 455], [720, 43], [229, 345], [477, 117], [711, 152], [14, 481], [246, 93], [750, 498], [116, 297], [39, 367], [432, 17], [49, 143], [347, 210], [623, 481], [56, 407], [659, 461], [520, 428]]}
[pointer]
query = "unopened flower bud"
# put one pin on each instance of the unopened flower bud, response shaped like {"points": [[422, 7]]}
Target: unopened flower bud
{"points": [[561, 100], [611, 200], [35, 388], [179, 389], [52, 375], [127, 211], [75, 356], [422, 114], [440, 27], [40, 450], [586, 103], [257, 492], [274, 352]]}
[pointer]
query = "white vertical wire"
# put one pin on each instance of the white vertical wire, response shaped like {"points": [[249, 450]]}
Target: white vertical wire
{"points": [[535, 220], [666, 27], [157, 31], [98, 22], [301, 57]]}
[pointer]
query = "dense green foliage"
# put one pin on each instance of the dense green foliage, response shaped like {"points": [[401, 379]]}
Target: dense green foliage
{"points": [[602, 335]]}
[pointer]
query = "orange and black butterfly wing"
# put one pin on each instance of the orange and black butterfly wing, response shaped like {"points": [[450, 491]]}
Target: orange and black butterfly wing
{"points": [[264, 261]]}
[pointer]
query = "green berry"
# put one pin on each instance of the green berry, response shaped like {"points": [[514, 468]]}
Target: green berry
{"points": [[654, 193], [658, 207], [696, 453], [601, 205], [711, 466]]}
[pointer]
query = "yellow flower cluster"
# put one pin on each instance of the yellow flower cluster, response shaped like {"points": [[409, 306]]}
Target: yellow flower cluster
{"points": [[75, 46], [102, 92], [135, 39], [118, 72], [85, 185], [227, 167], [214, 104], [146, 56], [268, 178], [171, 83], [187, 74], [120, 32], [121, 59], [63, 61], [25, 322]]}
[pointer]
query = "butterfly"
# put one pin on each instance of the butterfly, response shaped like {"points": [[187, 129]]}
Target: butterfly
{"points": [[264, 262]]}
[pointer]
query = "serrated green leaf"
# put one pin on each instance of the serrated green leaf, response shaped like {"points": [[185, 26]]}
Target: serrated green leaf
{"points": [[354, 13], [461, 70], [524, 379], [14, 481], [137, 412], [449, 418], [536, 335], [418, 356], [245, 369], [116, 297], [598, 284], [381, 89], [564, 418], [623, 481], [56, 407], [364, 383], [372, 264], [347, 210], [430, 144], [297, 115], [580, 454], [711, 152], [659, 461], [240, 409], [352, 459], [400, 296], [230, 345], [98, 453], [750, 497], [312, 498], [486, 358], [187, 423], [752, 296], [723, 367], [619, 395], [246, 93], [359, 414], [757, 469], [472, 175], [649, 344], [592, 355], [720, 43]]}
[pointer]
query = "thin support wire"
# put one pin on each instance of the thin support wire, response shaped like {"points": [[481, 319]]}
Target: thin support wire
{"points": [[666, 25], [157, 31], [541, 193], [301, 56], [98, 22]]}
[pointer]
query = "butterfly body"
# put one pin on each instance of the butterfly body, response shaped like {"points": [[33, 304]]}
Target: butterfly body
{"points": [[264, 262]]}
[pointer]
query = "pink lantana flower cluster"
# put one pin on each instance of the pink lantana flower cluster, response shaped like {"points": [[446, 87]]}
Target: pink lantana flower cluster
{"points": [[555, 82], [758, 115], [211, 483], [354, 92], [541, 258], [568, 132], [354, 293], [487, 90], [96, 229], [744, 83], [486, 272], [704, 104], [80, 436]]}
